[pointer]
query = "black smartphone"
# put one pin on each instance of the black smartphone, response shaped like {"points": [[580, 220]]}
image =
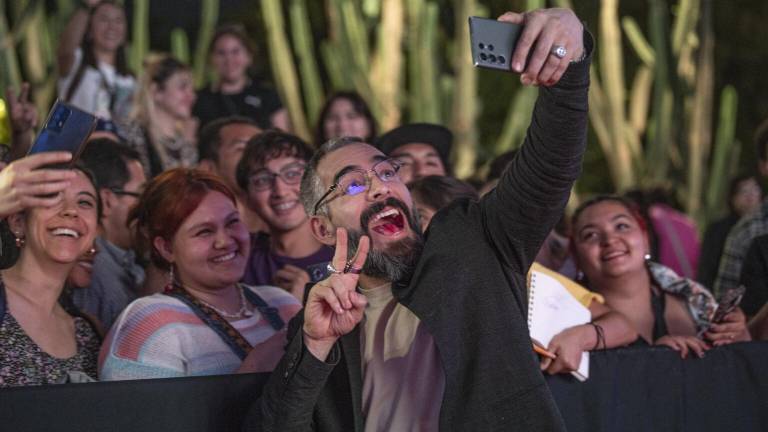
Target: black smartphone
{"points": [[66, 129], [493, 42], [728, 302]]}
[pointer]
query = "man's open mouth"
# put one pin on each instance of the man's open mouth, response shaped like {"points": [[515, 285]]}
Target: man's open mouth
{"points": [[389, 221]]}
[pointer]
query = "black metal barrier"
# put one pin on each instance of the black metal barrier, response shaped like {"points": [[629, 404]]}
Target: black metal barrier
{"points": [[633, 389]]}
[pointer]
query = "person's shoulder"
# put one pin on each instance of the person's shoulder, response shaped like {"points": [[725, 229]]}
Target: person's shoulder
{"points": [[156, 305], [752, 225], [148, 315], [206, 91], [274, 296]]}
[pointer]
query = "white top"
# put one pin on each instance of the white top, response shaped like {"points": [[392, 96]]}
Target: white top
{"points": [[96, 86], [403, 380]]}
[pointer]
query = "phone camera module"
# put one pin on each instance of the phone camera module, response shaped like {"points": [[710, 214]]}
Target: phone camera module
{"points": [[490, 47], [492, 58], [502, 59], [483, 57], [481, 45], [58, 119]]}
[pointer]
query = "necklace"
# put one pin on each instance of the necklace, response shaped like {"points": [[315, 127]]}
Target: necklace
{"points": [[243, 312]]}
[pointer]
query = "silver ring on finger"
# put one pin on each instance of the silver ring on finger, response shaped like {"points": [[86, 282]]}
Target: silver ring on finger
{"points": [[558, 51], [333, 270]]}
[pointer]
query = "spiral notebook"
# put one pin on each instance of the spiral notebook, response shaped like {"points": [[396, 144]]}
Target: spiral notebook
{"points": [[552, 309]]}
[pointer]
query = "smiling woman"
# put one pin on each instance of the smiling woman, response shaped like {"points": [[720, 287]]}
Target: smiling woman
{"points": [[41, 342], [610, 244], [205, 322]]}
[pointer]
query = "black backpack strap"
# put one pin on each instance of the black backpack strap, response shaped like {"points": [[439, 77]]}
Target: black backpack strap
{"points": [[213, 320], [270, 313]]}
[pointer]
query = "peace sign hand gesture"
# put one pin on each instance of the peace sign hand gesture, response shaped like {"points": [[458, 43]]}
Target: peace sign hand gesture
{"points": [[334, 307]]}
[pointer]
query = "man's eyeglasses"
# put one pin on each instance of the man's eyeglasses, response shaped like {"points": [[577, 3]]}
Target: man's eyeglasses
{"points": [[265, 179], [358, 180], [118, 191]]}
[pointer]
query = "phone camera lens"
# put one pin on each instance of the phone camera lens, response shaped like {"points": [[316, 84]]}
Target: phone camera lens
{"points": [[483, 57], [492, 57], [481, 45], [502, 59], [490, 47]]}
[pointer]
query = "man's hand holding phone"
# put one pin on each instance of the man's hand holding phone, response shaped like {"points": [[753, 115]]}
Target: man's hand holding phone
{"points": [[25, 183], [538, 56]]}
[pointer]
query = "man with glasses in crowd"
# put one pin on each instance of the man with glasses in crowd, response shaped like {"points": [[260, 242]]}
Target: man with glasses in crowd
{"points": [[287, 255], [430, 333], [117, 278]]}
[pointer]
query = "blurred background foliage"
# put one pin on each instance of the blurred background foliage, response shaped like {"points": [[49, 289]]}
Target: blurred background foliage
{"points": [[677, 84]]}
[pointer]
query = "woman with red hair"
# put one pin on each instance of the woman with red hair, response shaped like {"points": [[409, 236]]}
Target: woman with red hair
{"points": [[610, 244], [205, 322]]}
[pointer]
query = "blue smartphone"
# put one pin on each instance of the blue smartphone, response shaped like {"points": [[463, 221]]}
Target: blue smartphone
{"points": [[493, 42], [66, 129]]}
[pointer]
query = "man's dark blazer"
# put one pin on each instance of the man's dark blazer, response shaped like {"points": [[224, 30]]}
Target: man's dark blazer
{"points": [[468, 289]]}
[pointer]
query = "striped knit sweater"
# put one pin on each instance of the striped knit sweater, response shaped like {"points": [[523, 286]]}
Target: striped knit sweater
{"points": [[161, 337]]}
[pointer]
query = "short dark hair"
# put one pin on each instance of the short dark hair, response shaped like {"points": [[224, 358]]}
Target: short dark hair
{"points": [[236, 31], [632, 207], [209, 137], [733, 188], [108, 160], [437, 192], [358, 104], [311, 186], [269, 145]]}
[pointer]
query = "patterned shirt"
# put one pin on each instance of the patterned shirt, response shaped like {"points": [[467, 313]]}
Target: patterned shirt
{"points": [[736, 246], [161, 337], [23, 363]]}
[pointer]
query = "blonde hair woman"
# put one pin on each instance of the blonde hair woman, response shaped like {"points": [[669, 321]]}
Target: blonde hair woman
{"points": [[162, 128]]}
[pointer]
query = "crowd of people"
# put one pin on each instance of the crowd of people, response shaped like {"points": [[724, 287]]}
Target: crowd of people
{"points": [[195, 227]]}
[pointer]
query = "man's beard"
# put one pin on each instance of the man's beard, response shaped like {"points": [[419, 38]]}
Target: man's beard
{"points": [[399, 259]]}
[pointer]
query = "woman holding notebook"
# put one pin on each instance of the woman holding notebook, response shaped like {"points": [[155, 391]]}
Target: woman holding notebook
{"points": [[610, 244]]}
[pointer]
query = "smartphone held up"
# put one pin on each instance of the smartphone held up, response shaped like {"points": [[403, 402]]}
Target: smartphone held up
{"points": [[493, 42], [66, 129]]}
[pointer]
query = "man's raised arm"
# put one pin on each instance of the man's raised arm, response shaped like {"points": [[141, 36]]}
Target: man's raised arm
{"points": [[533, 191]]}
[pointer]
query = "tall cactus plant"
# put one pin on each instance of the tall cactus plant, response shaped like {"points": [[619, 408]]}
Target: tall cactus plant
{"points": [[209, 16], [284, 67]]}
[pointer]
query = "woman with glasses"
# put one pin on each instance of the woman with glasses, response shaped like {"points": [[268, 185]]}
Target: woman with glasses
{"points": [[287, 255], [206, 322]]}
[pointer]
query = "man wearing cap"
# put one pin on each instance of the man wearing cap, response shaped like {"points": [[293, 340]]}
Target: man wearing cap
{"points": [[423, 149]]}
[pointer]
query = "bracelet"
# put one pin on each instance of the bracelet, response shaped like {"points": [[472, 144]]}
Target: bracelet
{"points": [[600, 334]]}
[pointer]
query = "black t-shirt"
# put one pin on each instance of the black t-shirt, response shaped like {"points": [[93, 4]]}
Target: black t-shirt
{"points": [[256, 101]]}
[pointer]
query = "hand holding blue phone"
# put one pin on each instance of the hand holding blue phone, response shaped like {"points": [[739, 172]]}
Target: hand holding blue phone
{"points": [[25, 183]]}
